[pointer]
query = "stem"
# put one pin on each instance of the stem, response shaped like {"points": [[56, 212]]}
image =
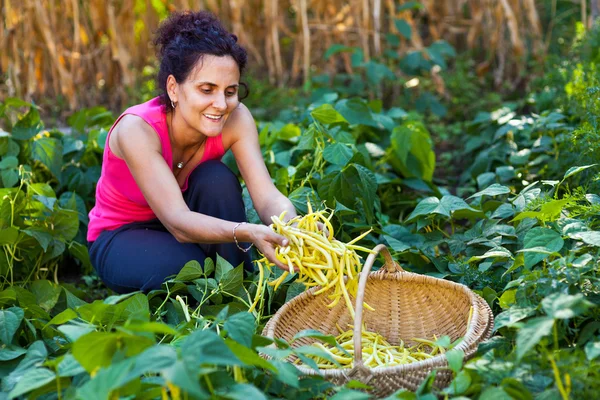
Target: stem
{"points": [[58, 390], [563, 393], [209, 385], [555, 334]]}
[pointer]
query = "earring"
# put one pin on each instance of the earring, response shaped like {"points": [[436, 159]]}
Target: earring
{"points": [[173, 105]]}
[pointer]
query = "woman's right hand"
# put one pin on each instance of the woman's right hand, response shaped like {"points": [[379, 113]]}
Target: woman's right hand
{"points": [[265, 240]]}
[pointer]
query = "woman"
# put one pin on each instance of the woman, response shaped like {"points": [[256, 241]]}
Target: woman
{"points": [[164, 197]]}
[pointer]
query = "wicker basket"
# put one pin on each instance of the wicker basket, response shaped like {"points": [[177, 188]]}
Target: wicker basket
{"points": [[407, 305]]}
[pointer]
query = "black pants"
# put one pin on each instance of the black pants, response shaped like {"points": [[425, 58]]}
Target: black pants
{"points": [[140, 255]]}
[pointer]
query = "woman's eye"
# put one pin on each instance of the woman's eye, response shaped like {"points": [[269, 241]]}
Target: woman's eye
{"points": [[231, 93], [207, 91]]}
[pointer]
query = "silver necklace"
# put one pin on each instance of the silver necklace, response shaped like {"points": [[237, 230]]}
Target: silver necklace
{"points": [[180, 165]]}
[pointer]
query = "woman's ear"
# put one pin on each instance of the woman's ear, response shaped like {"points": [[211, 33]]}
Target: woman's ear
{"points": [[172, 88]]}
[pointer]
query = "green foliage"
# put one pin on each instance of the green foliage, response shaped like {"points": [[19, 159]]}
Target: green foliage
{"points": [[48, 182]]}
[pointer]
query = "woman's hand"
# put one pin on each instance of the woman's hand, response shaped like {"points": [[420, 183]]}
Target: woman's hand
{"points": [[265, 240]]}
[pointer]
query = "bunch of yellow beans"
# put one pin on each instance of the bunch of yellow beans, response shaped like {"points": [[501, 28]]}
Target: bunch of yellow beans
{"points": [[319, 258], [376, 351]]}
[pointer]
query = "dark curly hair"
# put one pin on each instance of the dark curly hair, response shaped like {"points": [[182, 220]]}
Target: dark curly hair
{"points": [[184, 38]]}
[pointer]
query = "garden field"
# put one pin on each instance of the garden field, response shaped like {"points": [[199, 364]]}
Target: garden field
{"points": [[493, 185]]}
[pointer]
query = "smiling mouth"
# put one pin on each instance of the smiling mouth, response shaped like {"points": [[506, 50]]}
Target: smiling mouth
{"points": [[215, 118]]}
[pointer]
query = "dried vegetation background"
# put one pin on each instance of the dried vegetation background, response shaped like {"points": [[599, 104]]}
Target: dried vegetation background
{"points": [[91, 52]]}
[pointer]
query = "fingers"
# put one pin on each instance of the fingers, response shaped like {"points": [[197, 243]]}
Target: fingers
{"points": [[270, 254], [323, 228], [278, 240]]}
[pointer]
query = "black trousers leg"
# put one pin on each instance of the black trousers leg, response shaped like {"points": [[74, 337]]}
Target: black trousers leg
{"points": [[213, 189]]}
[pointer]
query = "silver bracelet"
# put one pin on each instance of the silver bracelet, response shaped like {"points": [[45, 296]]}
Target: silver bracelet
{"points": [[236, 241]]}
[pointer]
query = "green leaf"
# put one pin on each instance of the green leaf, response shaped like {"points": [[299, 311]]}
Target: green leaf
{"points": [[248, 356], [492, 190], [190, 271], [590, 237], [80, 252], [338, 154], [75, 331], [446, 206], [96, 349], [495, 393], [511, 316], [36, 355], [69, 367], [575, 170], [300, 196], [592, 350], [411, 153], [287, 373], [10, 320], [545, 238], [106, 380], [209, 266], [186, 379], [455, 359], [564, 306], [31, 380], [46, 293], [336, 48], [48, 151], [9, 162], [377, 72], [356, 112], [153, 360], [496, 252], [223, 267], [242, 391], [459, 385], [348, 394], [66, 224], [9, 235], [28, 126], [312, 333], [150, 327], [240, 327], [206, 347], [396, 244], [403, 27], [8, 353], [367, 189], [232, 280], [43, 237], [9, 177], [326, 114], [294, 290], [344, 185], [531, 334]]}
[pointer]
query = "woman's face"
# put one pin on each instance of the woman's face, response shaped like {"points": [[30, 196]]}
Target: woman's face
{"points": [[208, 95]]}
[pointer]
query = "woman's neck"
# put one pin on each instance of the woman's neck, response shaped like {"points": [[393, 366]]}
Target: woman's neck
{"points": [[181, 136]]}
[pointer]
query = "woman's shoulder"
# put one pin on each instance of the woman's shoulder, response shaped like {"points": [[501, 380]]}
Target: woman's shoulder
{"points": [[238, 125], [131, 130], [151, 110]]}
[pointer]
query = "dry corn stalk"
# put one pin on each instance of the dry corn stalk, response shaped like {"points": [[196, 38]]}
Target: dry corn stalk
{"points": [[87, 51]]}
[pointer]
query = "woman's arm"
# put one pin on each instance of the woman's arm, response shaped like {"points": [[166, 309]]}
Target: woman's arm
{"points": [[241, 134], [141, 149]]}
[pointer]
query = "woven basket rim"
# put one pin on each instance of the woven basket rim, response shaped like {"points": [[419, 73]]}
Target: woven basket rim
{"points": [[481, 314]]}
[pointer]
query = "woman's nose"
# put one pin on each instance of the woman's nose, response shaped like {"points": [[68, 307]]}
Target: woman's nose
{"points": [[220, 102]]}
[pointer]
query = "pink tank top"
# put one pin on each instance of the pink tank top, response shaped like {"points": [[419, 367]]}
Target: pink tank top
{"points": [[119, 200]]}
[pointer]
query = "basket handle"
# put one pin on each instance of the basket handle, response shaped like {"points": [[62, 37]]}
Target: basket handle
{"points": [[390, 267]]}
